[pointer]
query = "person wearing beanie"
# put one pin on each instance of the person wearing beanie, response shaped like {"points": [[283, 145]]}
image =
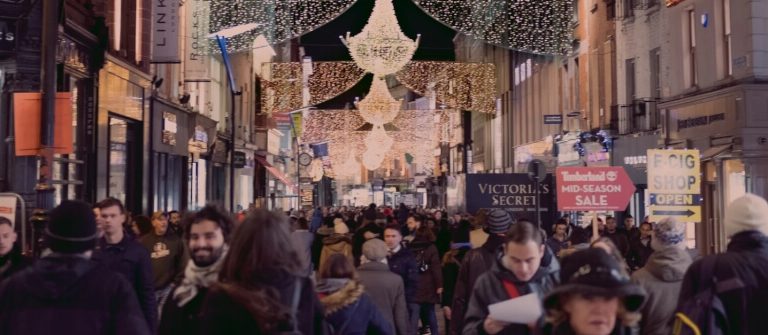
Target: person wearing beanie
{"points": [[476, 262], [337, 243], [593, 298], [65, 290], [662, 276], [402, 262], [451, 262], [385, 287], [746, 260], [369, 230]]}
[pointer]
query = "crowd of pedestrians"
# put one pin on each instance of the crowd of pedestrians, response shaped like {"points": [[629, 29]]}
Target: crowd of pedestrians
{"points": [[377, 270]]}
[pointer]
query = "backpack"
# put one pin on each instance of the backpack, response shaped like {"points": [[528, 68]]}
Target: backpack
{"points": [[705, 313]]}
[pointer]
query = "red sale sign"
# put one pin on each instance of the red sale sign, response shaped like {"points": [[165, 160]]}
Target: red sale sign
{"points": [[593, 188]]}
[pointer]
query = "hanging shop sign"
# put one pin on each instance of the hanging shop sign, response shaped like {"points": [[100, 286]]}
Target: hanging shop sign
{"points": [[674, 184], [514, 192], [7, 35], [170, 128], [165, 31], [593, 189], [553, 119], [27, 108], [239, 160], [196, 62]]}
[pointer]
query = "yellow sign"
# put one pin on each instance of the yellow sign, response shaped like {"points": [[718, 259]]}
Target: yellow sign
{"points": [[674, 184], [682, 213]]}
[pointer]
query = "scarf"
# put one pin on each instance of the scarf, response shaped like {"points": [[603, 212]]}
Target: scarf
{"points": [[195, 276]]}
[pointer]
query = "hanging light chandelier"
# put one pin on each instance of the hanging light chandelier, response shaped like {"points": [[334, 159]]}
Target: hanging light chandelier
{"points": [[379, 107], [377, 145], [381, 48]]}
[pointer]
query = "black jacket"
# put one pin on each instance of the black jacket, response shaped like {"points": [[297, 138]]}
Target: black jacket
{"points": [[223, 314], [746, 259], [131, 259], [168, 257], [489, 289], [404, 264], [13, 262], [184, 319], [352, 312], [475, 263], [72, 295], [430, 273]]}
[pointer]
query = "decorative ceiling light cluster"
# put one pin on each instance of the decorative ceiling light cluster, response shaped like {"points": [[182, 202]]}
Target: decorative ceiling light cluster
{"points": [[381, 48], [379, 107], [465, 86], [377, 145], [541, 26], [279, 20]]}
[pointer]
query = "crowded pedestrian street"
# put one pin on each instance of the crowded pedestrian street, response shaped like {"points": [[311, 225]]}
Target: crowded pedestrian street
{"points": [[385, 167]]}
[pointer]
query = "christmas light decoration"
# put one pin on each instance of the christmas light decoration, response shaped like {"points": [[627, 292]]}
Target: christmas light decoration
{"points": [[377, 145], [540, 27], [279, 20], [381, 48], [379, 107], [465, 86]]}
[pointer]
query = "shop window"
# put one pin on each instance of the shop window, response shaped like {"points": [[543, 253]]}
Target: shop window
{"points": [[735, 179]]}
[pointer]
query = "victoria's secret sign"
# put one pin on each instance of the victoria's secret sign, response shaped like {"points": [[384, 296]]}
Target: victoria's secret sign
{"points": [[515, 193], [7, 35]]}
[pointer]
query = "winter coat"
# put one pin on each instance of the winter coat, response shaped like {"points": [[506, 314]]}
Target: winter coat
{"points": [[336, 244], [746, 259], [317, 244], [443, 234], [430, 272], [489, 289], [13, 262], [403, 263], [387, 291], [661, 278], [478, 237], [223, 314], [475, 263], [565, 329], [359, 239], [302, 242], [184, 319], [451, 263], [130, 259], [72, 295], [556, 245], [349, 310], [639, 253], [169, 257], [316, 221], [619, 238]]}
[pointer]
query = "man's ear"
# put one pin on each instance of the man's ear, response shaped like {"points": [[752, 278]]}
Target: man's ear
{"points": [[541, 249]]}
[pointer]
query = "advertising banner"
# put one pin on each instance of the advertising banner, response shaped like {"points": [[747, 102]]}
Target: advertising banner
{"points": [[165, 31], [593, 188], [674, 184], [513, 192], [196, 59]]}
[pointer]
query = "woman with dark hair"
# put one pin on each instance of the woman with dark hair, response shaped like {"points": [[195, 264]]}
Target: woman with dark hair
{"points": [[451, 264], [595, 297], [348, 309], [609, 247], [141, 225], [430, 277], [259, 291]]}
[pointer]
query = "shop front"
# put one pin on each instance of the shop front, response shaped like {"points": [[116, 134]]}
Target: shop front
{"points": [[630, 152], [202, 132], [169, 172], [730, 129], [541, 150]]}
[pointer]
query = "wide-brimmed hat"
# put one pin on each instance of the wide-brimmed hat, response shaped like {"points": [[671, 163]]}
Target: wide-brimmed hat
{"points": [[594, 272]]}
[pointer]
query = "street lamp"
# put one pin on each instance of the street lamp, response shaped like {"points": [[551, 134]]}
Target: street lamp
{"points": [[221, 38]]}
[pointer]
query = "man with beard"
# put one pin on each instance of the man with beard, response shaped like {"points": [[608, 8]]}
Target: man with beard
{"points": [[174, 223], [206, 233]]}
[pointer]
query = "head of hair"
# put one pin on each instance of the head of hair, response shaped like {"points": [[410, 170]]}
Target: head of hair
{"points": [[394, 227], [561, 222], [416, 217], [173, 212], [628, 216], [212, 213], [303, 223], [646, 223], [423, 233], [158, 214], [557, 315], [522, 232], [111, 202], [337, 266], [262, 243], [143, 223], [5, 220]]}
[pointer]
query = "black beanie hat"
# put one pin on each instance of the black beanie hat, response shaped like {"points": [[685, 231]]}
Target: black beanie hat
{"points": [[72, 228]]}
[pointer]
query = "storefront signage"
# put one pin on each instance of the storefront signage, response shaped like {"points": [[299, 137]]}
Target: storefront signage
{"points": [[514, 192], [196, 61], [8, 208], [7, 35], [239, 160], [165, 31], [674, 184], [170, 128], [593, 188], [700, 121], [201, 135], [553, 119]]}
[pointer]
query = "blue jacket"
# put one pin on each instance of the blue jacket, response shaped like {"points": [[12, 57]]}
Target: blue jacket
{"points": [[350, 311], [130, 259], [404, 264]]}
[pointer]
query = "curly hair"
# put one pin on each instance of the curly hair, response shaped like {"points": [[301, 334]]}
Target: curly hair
{"points": [[558, 316]]}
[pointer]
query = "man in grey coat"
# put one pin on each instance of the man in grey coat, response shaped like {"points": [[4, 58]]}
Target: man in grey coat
{"points": [[385, 287], [662, 276]]}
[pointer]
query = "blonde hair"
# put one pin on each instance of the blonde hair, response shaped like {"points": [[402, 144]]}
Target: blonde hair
{"points": [[557, 314], [157, 215]]}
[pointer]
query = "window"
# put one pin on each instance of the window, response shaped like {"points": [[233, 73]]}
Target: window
{"points": [[655, 58], [629, 8], [692, 78], [727, 49], [67, 173], [630, 73], [610, 9]]}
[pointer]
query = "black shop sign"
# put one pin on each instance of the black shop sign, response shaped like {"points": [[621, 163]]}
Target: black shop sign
{"points": [[7, 35], [513, 192]]}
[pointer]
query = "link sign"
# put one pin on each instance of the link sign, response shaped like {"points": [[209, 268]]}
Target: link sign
{"points": [[674, 184]]}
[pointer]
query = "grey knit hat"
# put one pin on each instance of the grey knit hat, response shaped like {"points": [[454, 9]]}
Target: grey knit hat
{"points": [[669, 232], [499, 221]]}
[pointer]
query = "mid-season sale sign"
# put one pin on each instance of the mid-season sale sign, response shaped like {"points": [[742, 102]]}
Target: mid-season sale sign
{"points": [[593, 188]]}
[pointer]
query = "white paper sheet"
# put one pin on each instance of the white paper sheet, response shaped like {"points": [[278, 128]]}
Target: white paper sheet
{"points": [[523, 310]]}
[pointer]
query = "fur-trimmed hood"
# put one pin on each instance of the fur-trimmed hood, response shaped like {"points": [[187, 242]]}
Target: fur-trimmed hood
{"points": [[338, 298]]}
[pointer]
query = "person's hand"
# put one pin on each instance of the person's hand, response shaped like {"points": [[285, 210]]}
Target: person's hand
{"points": [[440, 291], [492, 326], [447, 312]]}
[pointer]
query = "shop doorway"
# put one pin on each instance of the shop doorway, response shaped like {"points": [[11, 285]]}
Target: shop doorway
{"points": [[124, 170]]}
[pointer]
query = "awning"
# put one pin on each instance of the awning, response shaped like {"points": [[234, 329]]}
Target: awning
{"points": [[715, 151], [275, 172]]}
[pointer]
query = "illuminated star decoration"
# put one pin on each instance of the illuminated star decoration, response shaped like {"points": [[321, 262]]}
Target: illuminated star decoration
{"points": [[381, 48], [540, 26], [279, 20]]}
